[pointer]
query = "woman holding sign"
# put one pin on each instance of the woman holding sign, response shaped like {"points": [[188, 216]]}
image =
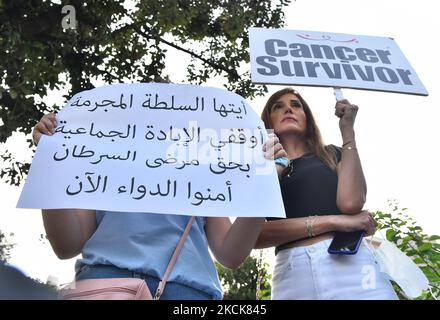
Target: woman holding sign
{"points": [[323, 190], [140, 245]]}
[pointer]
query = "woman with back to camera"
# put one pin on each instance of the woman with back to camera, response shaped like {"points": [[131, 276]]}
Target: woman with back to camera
{"points": [[324, 190], [140, 245]]}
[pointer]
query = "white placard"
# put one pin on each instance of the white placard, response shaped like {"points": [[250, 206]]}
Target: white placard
{"points": [[326, 59], [162, 148]]}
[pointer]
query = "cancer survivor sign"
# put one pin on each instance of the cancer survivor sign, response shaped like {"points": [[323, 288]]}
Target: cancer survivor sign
{"points": [[331, 60]]}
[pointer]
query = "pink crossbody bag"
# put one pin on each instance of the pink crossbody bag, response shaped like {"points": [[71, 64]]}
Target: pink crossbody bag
{"points": [[121, 288]]}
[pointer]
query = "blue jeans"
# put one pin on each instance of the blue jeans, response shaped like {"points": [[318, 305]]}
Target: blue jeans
{"points": [[173, 290]]}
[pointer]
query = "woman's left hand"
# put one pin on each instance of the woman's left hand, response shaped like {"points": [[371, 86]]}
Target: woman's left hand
{"points": [[273, 149], [346, 112]]}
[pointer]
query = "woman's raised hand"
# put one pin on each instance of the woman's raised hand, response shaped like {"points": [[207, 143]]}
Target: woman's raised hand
{"points": [[273, 149], [346, 112], [46, 125]]}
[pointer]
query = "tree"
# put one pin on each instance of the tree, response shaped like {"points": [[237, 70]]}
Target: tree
{"points": [[5, 248], [116, 43], [241, 284]]}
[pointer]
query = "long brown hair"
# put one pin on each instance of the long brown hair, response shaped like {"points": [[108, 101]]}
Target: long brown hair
{"points": [[313, 138]]}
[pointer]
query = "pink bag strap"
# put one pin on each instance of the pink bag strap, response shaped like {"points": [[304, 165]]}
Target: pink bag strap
{"points": [[162, 283]]}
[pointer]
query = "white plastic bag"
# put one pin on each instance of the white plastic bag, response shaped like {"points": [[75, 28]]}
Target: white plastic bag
{"points": [[399, 267]]}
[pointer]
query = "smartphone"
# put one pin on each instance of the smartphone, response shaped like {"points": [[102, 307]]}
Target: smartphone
{"points": [[346, 242]]}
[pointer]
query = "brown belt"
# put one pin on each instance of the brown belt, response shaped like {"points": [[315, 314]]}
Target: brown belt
{"points": [[304, 242]]}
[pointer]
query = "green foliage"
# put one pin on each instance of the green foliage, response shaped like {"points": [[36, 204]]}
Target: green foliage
{"points": [[241, 284], [401, 229], [114, 43]]}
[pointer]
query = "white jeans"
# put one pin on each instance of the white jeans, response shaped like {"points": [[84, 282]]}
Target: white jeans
{"points": [[311, 273]]}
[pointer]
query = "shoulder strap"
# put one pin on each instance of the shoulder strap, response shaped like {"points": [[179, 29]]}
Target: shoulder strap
{"points": [[161, 286]]}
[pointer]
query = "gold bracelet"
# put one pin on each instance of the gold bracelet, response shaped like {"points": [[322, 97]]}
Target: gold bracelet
{"points": [[347, 142], [307, 223], [309, 226]]}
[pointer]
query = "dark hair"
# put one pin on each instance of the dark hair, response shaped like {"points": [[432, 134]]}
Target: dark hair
{"points": [[312, 135]]}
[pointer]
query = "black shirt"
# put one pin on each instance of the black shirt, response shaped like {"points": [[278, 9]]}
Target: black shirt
{"points": [[310, 188]]}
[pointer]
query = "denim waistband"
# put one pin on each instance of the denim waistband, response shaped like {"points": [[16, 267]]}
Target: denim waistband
{"points": [[320, 246], [108, 271]]}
